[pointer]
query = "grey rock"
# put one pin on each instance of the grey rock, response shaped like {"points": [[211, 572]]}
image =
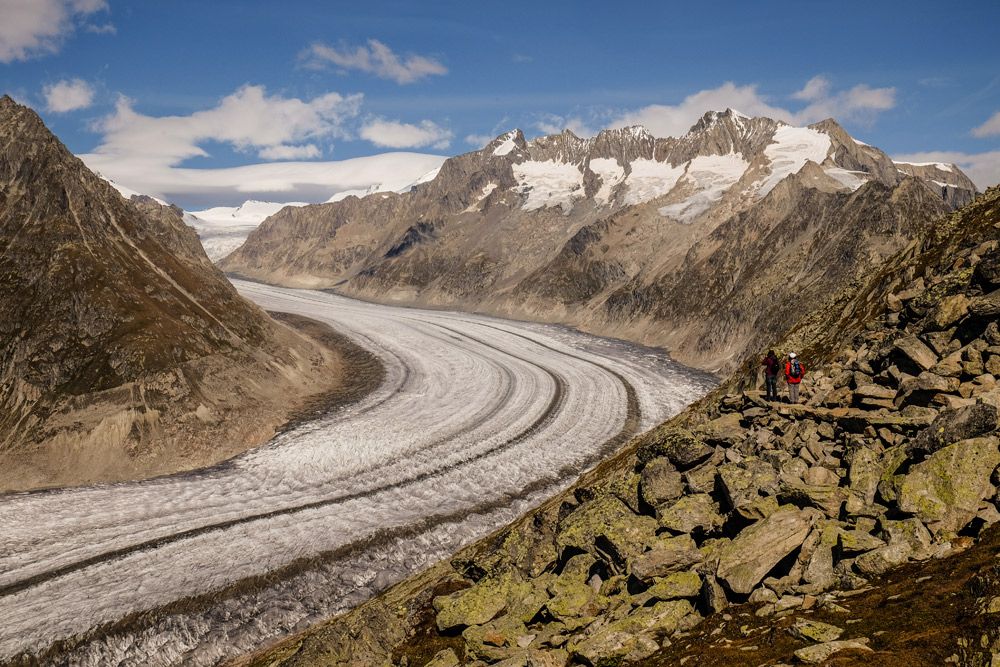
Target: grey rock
{"points": [[953, 425], [667, 555], [760, 546], [915, 350], [691, 513], [660, 482], [818, 653]]}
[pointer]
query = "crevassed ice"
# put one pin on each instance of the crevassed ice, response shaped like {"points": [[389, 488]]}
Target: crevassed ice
{"points": [[791, 148], [712, 175], [611, 174], [650, 179], [549, 183]]}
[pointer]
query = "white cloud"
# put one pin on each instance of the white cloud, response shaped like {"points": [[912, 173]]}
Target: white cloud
{"points": [[146, 153], [68, 95], [101, 28], [816, 88], [990, 128], [982, 168], [307, 152], [374, 58], [276, 181], [860, 103], [32, 28], [394, 134], [478, 140], [554, 124], [675, 120], [248, 119]]}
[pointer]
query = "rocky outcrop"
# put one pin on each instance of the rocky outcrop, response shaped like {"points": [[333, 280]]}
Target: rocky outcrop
{"points": [[123, 351], [707, 244], [792, 510]]}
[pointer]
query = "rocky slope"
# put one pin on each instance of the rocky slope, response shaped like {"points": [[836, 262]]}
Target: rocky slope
{"points": [[624, 234], [791, 513], [123, 351]]}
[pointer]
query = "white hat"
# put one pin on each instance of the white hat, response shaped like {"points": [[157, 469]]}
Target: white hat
{"points": [[791, 355]]}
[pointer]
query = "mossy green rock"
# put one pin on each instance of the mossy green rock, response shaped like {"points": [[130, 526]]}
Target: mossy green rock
{"points": [[679, 445], [480, 603], [815, 631], [675, 585], [632, 637], [495, 640], [445, 658], [574, 600], [667, 555], [694, 512], [944, 491], [607, 523]]}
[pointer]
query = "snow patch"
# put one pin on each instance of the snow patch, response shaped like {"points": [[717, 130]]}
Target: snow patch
{"points": [[507, 145], [789, 151], [611, 174], [650, 179], [939, 165], [128, 193], [712, 175], [487, 189], [549, 184], [850, 179]]}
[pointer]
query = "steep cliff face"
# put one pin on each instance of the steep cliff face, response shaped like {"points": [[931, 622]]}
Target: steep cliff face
{"points": [[745, 531], [623, 233], [117, 334]]}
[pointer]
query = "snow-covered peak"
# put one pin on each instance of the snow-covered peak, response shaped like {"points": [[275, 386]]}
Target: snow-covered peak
{"points": [[251, 211], [943, 166], [506, 143]]}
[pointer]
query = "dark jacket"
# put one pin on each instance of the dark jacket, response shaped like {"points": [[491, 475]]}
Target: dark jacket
{"points": [[771, 366]]}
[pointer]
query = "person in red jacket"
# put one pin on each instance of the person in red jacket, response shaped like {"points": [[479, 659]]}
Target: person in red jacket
{"points": [[794, 370]]}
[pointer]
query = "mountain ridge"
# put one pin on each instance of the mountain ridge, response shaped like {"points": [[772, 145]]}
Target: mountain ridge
{"points": [[496, 224]]}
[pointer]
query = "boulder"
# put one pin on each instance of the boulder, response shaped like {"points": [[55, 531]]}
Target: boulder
{"points": [[725, 430], [445, 658], [745, 561], [883, 559], [914, 349], [633, 637], [713, 596], [701, 479], [679, 445], [986, 306], [660, 482], [864, 471], [953, 425], [696, 512], [605, 527], [746, 481], [494, 641], [667, 555], [675, 585], [875, 391], [949, 311], [819, 653], [814, 631], [475, 605], [944, 490], [829, 498]]}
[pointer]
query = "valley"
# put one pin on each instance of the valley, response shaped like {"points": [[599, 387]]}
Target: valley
{"points": [[477, 420]]}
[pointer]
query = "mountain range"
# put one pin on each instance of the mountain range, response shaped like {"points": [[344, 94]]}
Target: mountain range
{"points": [[701, 243]]}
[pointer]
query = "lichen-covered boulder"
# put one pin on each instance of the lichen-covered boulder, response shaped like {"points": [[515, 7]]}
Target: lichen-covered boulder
{"points": [[667, 555], [746, 481], [445, 658], [954, 425], [675, 585], [814, 631], [679, 445], [606, 528], [633, 637], [725, 430], [694, 512], [660, 482], [479, 604], [819, 653], [944, 490], [745, 561]]}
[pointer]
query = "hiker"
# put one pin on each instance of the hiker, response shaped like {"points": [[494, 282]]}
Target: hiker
{"points": [[794, 370], [771, 367]]}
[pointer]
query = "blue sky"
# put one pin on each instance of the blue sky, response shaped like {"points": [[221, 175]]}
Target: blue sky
{"points": [[143, 89]]}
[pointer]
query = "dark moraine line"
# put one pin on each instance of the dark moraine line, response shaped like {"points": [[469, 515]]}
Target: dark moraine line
{"points": [[378, 539], [551, 408]]}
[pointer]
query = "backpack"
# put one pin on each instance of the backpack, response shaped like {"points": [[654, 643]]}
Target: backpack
{"points": [[796, 369]]}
